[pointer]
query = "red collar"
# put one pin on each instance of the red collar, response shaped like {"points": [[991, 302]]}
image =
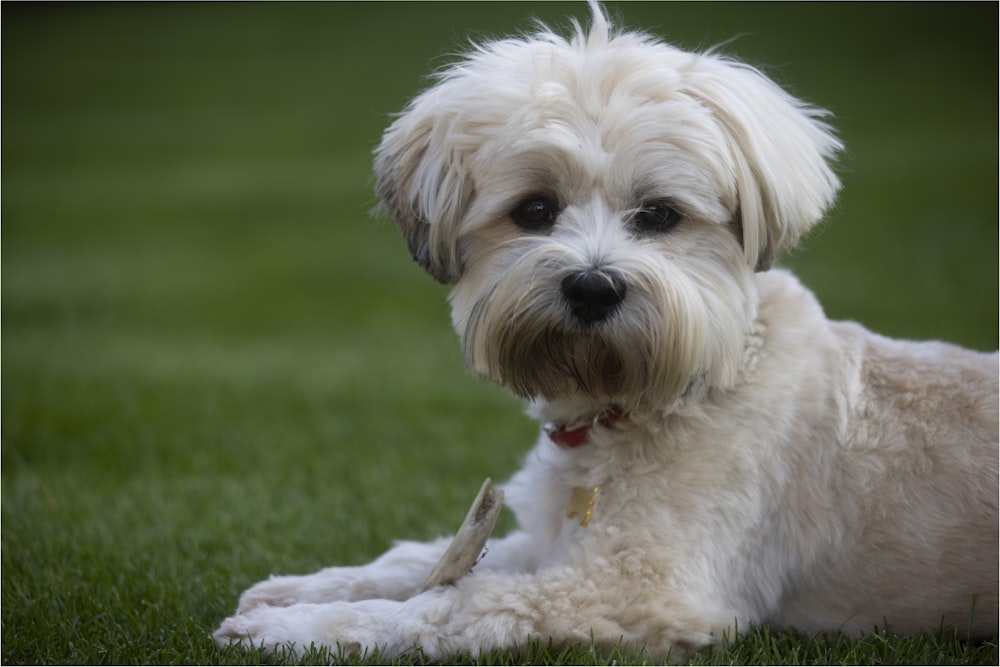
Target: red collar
{"points": [[571, 438]]}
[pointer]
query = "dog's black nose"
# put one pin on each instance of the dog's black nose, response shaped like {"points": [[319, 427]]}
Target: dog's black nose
{"points": [[593, 295]]}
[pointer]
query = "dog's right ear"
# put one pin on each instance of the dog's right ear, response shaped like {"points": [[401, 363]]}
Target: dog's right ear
{"points": [[422, 185]]}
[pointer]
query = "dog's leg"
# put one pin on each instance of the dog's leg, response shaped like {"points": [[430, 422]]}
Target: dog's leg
{"points": [[391, 576], [488, 610], [396, 575]]}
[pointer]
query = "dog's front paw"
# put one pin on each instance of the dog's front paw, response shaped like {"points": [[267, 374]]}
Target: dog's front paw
{"points": [[246, 630], [332, 584], [343, 626], [273, 592], [267, 628]]}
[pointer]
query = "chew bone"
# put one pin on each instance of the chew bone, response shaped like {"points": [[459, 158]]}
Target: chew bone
{"points": [[464, 550]]}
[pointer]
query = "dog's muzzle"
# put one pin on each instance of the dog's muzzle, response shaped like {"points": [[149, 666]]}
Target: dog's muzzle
{"points": [[593, 295]]}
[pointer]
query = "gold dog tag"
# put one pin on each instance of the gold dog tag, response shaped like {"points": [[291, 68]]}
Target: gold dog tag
{"points": [[581, 503]]}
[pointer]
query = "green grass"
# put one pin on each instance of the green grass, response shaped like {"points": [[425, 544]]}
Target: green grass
{"points": [[216, 365]]}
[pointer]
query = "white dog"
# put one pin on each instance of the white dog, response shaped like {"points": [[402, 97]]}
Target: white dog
{"points": [[715, 452]]}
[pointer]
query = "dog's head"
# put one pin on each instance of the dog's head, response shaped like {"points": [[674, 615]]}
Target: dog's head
{"points": [[600, 204]]}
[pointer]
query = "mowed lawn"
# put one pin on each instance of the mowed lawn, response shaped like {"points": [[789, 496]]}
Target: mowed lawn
{"points": [[217, 365]]}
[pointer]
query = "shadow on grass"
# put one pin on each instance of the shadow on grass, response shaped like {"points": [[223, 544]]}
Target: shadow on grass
{"points": [[759, 646]]}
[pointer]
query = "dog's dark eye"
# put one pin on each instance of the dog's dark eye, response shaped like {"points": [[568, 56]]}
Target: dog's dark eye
{"points": [[535, 214], [655, 218]]}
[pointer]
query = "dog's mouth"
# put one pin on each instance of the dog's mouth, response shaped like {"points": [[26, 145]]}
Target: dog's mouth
{"points": [[559, 362], [556, 355]]}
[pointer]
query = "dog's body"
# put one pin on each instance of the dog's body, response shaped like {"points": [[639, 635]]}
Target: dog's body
{"points": [[606, 208]]}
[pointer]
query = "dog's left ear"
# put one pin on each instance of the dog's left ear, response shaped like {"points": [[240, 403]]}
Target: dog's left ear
{"points": [[781, 150], [421, 183]]}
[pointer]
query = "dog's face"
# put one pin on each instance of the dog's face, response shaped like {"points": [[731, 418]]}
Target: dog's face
{"points": [[600, 205]]}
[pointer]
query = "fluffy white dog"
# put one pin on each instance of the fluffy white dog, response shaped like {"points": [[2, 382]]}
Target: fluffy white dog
{"points": [[715, 452]]}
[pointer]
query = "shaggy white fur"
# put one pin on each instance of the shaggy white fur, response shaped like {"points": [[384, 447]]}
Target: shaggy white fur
{"points": [[607, 208]]}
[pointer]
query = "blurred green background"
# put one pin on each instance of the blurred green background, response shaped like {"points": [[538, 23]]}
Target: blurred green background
{"points": [[216, 364]]}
